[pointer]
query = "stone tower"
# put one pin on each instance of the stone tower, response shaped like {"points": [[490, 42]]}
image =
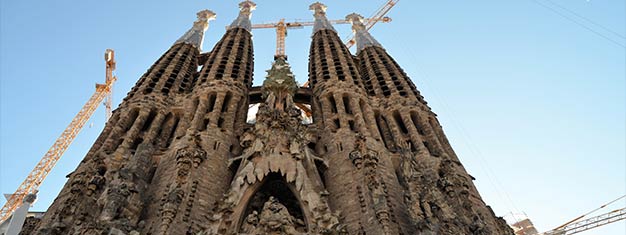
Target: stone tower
{"points": [[179, 157]]}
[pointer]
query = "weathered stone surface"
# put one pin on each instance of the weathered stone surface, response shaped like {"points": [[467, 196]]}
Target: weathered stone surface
{"points": [[177, 156]]}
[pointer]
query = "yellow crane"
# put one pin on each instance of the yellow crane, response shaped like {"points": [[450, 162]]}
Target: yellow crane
{"points": [[282, 26], [281, 33], [38, 174]]}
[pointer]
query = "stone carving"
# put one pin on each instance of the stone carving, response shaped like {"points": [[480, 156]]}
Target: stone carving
{"points": [[188, 157], [169, 209], [366, 160], [275, 219], [277, 144], [177, 157]]}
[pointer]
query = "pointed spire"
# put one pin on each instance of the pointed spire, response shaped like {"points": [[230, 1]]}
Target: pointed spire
{"points": [[362, 36], [280, 76], [195, 35], [321, 22], [279, 86], [245, 12]]}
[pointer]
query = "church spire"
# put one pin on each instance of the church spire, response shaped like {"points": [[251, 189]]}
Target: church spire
{"points": [[362, 36], [280, 85], [245, 12], [195, 35], [321, 22]]}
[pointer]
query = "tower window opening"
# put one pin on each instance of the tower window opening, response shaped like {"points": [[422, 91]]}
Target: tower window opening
{"points": [[333, 104], [136, 143], [383, 129], [226, 102], [386, 92], [346, 104], [149, 120], [400, 122], [337, 124], [172, 132], [321, 170], [429, 148], [132, 118], [220, 122], [205, 124], [211, 102]]}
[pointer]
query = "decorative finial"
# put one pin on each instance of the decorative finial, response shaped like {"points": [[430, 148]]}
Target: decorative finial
{"points": [[195, 35], [280, 85], [245, 12], [362, 36], [321, 22]]}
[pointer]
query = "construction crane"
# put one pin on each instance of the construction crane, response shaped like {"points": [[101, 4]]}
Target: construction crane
{"points": [[370, 22], [593, 222], [577, 225], [38, 174], [526, 227], [281, 29], [281, 33]]}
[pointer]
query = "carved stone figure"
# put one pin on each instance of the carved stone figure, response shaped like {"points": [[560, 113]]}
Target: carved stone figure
{"points": [[179, 157]]}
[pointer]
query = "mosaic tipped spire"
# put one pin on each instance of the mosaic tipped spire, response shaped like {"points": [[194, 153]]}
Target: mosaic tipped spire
{"points": [[280, 77], [362, 36], [195, 35], [321, 22], [245, 12]]}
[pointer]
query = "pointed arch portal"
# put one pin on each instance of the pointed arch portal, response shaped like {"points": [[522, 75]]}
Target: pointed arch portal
{"points": [[273, 194]]}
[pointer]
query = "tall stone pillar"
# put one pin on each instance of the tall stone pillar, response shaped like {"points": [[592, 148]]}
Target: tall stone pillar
{"points": [[194, 173], [360, 178], [439, 192], [109, 190]]}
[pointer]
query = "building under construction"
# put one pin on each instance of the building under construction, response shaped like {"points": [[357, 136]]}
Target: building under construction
{"points": [[178, 155]]}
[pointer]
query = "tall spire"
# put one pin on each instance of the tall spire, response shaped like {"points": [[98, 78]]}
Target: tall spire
{"points": [[280, 85], [195, 35], [245, 12], [321, 22], [363, 37]]}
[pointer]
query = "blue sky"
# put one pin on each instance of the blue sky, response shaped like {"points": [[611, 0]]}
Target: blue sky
{"points": [[532, 96]]}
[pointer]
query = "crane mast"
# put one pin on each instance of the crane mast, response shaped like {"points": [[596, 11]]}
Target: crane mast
{"points": [[46, 164]]}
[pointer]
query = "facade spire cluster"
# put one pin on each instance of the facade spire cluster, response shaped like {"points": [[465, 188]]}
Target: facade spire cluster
{"points": [[179, 157]]}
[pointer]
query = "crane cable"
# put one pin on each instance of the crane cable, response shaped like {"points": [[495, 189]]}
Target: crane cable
{"points": [[578, 23], [465, 137], [586, 19]]}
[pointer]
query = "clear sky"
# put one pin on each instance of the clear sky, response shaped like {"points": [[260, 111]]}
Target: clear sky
{"points": [[531, 93]]}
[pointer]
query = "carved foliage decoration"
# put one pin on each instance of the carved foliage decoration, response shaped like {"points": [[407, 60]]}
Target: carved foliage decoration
{"points": [[276, 145], [366, 160]]}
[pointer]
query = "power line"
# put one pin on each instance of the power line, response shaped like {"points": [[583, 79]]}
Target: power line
{"points": [[465, 137], [586, 19], [578, 23]]}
